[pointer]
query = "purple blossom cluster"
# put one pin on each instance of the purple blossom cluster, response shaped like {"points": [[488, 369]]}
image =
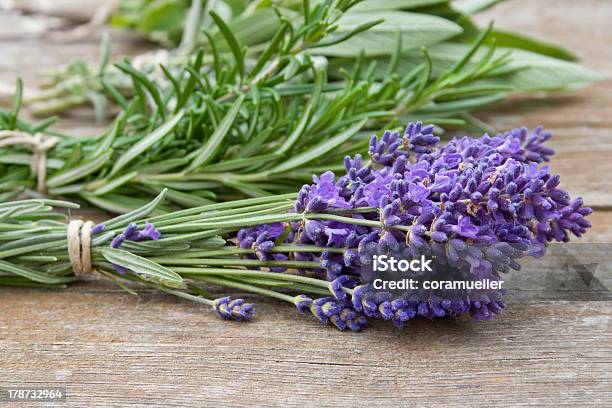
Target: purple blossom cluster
{"points": [[481, 306], [132, 233], [262, 239], [233, 309], [493, 194], [338, 312]]}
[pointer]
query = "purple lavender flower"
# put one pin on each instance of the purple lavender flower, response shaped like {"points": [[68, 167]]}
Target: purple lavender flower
{"points": [[149, 232], [486, 306], [235, 309], [472, 201], [324, 193], [385, 150], [302, 303], [337, 287], [117, 241], [131, 232], [419, 139], [356, 172], [372, 304], [340, 314], [97, 229], [262, 239]]}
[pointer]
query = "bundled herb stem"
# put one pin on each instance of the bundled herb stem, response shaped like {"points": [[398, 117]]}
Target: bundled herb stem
{"points": [[35, 252]]}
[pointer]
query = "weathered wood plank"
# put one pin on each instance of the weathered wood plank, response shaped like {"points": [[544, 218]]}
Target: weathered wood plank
{"points": [[70, 10], [110, 349]]}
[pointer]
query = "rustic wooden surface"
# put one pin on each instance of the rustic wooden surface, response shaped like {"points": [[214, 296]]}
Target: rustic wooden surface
{"points": [[109, 348]]}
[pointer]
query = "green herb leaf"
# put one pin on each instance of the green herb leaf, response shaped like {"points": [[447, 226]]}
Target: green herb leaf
{"points": [[208, 151], [32, 274], [146, 82], [79, 172], [232, 41], [147, 142], [16, 105], [528, 71], [417, 30], [252, 29], [164, 17], [319, 150], [139, 265], [516, 40], [137, 214], [113, 184], [471, 7], [373, 5]]}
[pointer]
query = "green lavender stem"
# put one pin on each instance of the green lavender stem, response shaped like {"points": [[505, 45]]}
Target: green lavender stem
{"points": [[33, 249]]}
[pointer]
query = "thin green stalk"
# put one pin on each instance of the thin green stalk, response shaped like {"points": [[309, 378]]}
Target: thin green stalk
{"points": [[247, 288]]}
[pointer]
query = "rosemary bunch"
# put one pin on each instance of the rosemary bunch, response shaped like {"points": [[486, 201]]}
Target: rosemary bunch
{"points": [[239, 120], [240, 127]]}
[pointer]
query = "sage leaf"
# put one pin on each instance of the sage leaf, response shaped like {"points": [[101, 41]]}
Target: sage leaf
{"points": [[164, 17], [417, 30], [526, 71], [252, 29], [515, 40], [471, 7], [532, 72]]}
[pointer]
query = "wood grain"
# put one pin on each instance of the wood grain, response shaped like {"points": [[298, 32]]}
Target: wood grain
{"points": [[109, 349], [551, 347]]}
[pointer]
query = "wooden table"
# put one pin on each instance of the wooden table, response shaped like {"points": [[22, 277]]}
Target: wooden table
{"points": [[109, 348]]}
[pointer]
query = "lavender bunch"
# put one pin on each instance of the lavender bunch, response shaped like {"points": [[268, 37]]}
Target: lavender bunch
{"points": [[484, 201], [478, 203]]}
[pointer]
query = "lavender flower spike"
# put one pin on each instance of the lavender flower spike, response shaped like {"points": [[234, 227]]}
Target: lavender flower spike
{"points": [[235, 309], [302, 303], [97, 229], [340, 314], [131, 233]]}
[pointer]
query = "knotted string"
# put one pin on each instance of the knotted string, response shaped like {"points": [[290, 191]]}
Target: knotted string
{"points": [[39, 144], [79, 247]]}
